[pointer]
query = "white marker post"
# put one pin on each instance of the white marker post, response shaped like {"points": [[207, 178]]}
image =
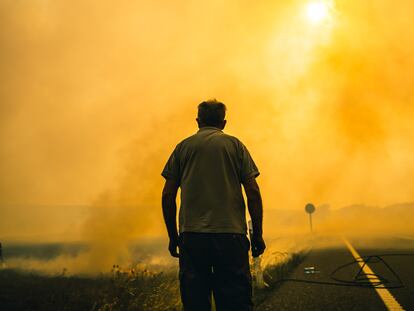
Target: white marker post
{"points": [[310, 208], [257, 262]]}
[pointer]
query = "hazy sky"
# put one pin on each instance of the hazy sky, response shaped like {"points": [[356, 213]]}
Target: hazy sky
{"points": [[94, 96]]}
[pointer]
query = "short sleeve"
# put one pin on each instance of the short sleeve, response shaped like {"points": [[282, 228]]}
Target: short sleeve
{"points": [[248, 167], [172, 167]]}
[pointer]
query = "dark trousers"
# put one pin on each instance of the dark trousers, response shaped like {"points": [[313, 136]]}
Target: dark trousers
{"points": [[215, 263]]}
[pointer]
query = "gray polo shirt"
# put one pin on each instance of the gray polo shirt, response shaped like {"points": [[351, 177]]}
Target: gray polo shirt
{"points": [[210, 166]]}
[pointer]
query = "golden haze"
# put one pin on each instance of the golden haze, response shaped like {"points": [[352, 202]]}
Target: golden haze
{"points": [[94, 97]]}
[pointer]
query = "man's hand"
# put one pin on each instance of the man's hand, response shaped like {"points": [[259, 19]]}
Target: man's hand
{"points": [[258, 246], [172, 247]]}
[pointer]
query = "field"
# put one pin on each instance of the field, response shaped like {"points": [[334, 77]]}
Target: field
{"points": [[136, 291]]}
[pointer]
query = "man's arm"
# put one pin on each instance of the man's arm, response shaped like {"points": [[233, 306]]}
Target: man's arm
{"points": [[255, 207], [169, 211]]}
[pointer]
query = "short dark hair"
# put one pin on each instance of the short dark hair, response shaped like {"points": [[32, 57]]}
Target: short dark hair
{"points": [[211, 112]]}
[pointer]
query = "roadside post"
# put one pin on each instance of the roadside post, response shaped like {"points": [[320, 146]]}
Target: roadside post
{"points": [[310, 209]]}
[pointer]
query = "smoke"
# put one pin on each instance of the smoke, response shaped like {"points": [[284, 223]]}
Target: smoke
{"points": [[94, 96]]}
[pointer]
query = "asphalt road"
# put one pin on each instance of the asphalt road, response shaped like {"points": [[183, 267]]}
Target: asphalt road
{"points": [[402, 265], [297, 294]]}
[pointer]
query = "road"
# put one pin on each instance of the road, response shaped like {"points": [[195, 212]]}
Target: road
{"points": [[296, 294]]}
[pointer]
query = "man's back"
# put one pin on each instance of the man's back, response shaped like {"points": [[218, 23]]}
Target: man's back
{"points": [[210, 167]]}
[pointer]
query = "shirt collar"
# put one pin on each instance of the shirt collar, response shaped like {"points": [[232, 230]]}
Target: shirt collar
{"points": [[209, 128]]}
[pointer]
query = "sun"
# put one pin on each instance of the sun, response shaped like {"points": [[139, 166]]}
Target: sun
{"points": [[317, 11]]}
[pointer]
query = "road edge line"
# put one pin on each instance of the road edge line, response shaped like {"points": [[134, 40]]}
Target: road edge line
{"points": [[387, 298]]}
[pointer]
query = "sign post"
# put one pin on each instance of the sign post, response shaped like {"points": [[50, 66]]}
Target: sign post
{"points": [[310, 208]]}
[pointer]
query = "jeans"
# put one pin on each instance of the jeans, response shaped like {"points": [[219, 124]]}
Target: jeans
{"points": [[215, 263]]}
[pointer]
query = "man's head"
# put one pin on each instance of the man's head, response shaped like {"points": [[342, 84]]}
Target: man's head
{"points": [[211, 113]]}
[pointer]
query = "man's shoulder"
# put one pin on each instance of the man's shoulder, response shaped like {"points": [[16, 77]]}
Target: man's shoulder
{"points": [[186, 140], [231, 137]]}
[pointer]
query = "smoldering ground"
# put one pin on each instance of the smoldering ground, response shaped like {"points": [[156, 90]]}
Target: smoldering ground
{"points": [[94, 97]]}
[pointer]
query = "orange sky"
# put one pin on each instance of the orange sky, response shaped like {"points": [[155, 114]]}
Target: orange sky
{"points": [[94, 96]]}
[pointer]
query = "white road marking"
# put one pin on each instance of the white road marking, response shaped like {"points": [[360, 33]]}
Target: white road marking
{"points": [[390, 302]]}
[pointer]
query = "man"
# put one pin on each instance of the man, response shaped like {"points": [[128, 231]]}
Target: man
{"points": [[210, 168]]}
